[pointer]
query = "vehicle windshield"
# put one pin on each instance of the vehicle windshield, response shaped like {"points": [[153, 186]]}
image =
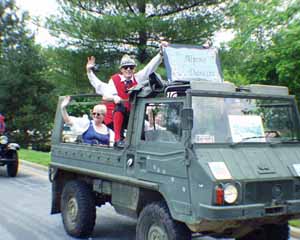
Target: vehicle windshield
{"points": [[236, 120]]}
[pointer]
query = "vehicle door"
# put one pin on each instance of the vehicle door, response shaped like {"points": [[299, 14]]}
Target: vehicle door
{"points": [[160, 152]]}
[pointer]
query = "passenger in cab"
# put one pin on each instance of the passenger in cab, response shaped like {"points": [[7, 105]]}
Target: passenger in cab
{"points": [[93, 131], [116, 91]]}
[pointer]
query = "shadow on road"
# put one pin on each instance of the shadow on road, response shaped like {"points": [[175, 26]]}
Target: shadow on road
{"points": [[21, 174], [112, 226]]}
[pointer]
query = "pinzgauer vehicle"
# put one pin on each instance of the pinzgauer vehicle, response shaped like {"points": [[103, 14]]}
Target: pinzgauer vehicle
{"points": [[202, 156]]}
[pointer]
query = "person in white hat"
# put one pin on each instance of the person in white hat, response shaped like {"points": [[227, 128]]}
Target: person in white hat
{"points": [[116, 90]]}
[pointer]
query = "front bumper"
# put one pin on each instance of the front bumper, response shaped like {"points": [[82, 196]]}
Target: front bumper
{"points": [[225, 219], [289, 207]]}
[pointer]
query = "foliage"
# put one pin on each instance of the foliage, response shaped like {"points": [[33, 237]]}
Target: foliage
{"points": [[80, 106], [112, 28], [65, 69], [25, 98], [266, 46]]}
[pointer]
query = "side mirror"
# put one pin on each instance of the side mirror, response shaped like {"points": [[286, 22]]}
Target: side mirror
{"points": [[187, 116]]}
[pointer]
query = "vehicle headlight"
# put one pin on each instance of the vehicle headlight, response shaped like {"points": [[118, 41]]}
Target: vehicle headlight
{"points": [[230, 193], [3, 140]]}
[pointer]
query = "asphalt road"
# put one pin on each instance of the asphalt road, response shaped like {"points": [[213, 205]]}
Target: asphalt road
{"points": [[25, 211]]}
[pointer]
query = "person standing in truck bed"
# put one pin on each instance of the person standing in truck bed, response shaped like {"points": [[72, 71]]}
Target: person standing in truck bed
{"points": [[115, 93]]}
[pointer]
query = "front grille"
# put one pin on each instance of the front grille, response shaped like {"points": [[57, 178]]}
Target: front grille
{"points": [[266, 192], [274, 210]]}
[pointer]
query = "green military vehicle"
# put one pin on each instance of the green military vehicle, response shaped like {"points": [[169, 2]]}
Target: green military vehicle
{"points": [[201, 157]]}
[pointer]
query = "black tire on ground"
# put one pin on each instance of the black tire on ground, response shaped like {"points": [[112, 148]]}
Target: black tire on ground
{"points": [[12, 167], [277, 231], [155, 222], [78, 209]]}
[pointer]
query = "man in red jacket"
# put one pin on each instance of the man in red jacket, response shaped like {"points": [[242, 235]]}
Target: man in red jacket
{"points": [[116, 91]]}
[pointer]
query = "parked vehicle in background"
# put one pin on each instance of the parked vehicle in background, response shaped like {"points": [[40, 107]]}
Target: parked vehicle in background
{"points": [[224, 160], [9, 156]]}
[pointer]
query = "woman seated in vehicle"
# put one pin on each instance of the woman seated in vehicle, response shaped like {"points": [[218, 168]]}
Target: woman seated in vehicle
{"points": [[93, 131]]}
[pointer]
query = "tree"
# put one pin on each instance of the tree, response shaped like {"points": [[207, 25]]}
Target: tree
{"points": [[266, 47], [115, 27], [66, 70], [25, 98]]}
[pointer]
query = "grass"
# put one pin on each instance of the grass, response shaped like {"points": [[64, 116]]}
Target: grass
{"points": [[42, 158], [295, 223]]}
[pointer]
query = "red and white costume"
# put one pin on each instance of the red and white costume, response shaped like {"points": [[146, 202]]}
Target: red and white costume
{"points": [[117, 86]]}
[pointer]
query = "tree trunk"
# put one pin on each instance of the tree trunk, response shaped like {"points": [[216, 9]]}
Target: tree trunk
{"points": [[142, 54]]}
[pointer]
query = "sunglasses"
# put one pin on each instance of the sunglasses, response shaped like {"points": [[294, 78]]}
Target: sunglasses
{"points": [[128, 67], [97, 114]]}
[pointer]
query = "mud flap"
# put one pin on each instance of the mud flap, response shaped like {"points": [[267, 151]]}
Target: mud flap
{"points": [[56, 191]]}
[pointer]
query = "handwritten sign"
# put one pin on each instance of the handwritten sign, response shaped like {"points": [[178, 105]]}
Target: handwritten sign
{"points": [[186, 63]]}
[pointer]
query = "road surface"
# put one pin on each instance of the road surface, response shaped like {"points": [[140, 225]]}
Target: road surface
{"points": [[25, 211]]}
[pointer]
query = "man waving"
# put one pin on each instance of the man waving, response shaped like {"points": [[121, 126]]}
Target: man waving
{"points": [[115, 93]]}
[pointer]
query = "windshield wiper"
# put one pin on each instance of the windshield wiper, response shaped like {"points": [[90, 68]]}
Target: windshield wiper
{"points": [[247, 138]]}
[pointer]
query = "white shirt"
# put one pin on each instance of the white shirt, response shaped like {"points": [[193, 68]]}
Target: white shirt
{"points": [[109, 89]]}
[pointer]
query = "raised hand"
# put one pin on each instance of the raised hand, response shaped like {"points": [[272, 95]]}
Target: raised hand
{"points": [[90, 63], [162, 45], [65, 102]]}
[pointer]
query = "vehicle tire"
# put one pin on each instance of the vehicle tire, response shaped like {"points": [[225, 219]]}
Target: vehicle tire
{"points": [[12, 167], [155, 222], [78, 209], [277, 231]]}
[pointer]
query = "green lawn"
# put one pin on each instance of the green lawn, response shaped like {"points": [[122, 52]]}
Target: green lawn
{"points": [[295, 223], [42, 158]]}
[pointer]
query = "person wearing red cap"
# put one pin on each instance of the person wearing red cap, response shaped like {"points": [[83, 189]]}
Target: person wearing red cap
{"points": [[2, 124], [115, 92]]}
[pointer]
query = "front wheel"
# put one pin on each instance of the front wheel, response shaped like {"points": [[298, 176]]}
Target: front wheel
{"points": [[12, 167], [78, 209], [155, 223]]}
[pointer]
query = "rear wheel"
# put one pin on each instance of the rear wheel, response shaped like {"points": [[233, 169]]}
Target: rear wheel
{"points": [[78, 209], [156, 223], [12, 167]]}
